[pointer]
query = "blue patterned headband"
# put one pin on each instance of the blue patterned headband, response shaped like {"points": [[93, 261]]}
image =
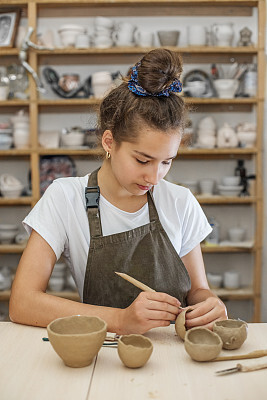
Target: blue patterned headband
{"points": [[175, 86]]}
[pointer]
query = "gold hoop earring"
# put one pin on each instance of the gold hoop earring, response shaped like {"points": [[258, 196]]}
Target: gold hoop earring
{"points": [[107, 155]]}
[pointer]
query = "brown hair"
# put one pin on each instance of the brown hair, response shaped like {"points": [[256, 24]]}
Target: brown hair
{"points": [[122, 111]]}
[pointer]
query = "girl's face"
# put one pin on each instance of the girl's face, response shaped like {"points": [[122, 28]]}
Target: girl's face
{"points": [[139, 166]]}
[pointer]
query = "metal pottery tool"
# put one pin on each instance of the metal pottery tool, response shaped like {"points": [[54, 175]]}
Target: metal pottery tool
{"points": [[253, 354], [135, 282], [248, 366]]}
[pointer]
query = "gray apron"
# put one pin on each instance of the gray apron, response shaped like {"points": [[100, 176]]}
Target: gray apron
{"points": [[145, 253]]}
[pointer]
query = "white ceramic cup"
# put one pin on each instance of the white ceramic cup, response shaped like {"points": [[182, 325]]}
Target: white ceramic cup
{"points": [[144, 39], [196, 35], [4, 90], [101, 83], [206, 186], [226, 88], [124, 35], [82, 41], [236, 234], [231, 280]]}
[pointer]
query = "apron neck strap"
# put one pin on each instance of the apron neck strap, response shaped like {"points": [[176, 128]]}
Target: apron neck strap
{"points": [[92, 196]]}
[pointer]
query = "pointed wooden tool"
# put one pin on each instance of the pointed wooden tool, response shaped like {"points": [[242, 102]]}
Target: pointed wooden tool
{"points": [[135, 282], [253, 354]]}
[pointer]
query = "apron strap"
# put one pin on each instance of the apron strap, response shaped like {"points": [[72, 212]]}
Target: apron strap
{"points": [[92, 195], [153, 214]]}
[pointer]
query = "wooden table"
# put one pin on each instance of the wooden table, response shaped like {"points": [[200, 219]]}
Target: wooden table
{"points": [[31, 370]]}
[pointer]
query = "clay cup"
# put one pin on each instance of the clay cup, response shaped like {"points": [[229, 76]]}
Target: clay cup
{"points": [[233, 333], [202, 344], [77, 339], [134, 350]]}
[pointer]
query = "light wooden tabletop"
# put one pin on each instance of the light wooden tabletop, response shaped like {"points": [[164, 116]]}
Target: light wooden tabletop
{"points": [[31, 370]]}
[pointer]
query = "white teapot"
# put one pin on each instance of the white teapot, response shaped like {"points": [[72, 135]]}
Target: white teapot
{"points": [[227, 137]]}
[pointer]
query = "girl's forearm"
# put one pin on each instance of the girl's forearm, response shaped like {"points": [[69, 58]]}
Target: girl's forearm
{"points": [[39, 309]]}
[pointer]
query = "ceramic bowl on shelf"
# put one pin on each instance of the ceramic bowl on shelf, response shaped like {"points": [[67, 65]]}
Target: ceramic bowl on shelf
{"points": [[230, 191], [247, 139], [72, 139], [68, 34], [168, 38], [12, 193], [226, 88], [8, 233], [236, 234], [230, 180]]}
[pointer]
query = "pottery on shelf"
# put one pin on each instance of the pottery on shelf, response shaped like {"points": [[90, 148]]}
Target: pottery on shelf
{"points": [[202, 344], [134, 350], [227, 136], [77, 339], [232, 332]]}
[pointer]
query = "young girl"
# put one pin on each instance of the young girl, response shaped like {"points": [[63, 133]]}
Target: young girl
{"points": [[123, 217]]}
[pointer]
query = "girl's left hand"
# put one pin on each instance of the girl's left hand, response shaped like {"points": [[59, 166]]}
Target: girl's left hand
{"points": [[205, 313]]}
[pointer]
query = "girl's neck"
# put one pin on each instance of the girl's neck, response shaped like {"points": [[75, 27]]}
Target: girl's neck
{"points": [[115, 194]]}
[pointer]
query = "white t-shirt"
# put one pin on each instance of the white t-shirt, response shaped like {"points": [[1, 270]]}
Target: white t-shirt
{"points": [[60, 218]]}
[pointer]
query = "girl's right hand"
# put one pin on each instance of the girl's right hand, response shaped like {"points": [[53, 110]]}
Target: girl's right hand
{"points": [[149, 310]]}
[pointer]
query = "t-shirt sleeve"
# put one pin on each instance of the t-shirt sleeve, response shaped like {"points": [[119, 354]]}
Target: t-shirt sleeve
{"points": [[195, 227], [49, 218]]}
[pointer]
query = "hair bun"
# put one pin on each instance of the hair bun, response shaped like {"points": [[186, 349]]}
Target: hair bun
{"points": [[158, 69]]}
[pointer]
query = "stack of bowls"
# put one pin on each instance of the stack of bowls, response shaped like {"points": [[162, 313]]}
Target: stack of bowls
{"points": [[206, 133], [10, 186], [68, 34], [8, 233], [230, 186]]}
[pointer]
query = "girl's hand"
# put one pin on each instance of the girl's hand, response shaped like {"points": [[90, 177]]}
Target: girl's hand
{"points": [[205, 313], [149, 310]]}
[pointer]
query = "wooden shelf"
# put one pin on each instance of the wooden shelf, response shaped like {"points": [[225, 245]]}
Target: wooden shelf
{"points": [[226, 200], [142, 50], [14, 103], [20, 201], [191, 100], [235, 294], [15, 152], [11, 248], [226, 249]]}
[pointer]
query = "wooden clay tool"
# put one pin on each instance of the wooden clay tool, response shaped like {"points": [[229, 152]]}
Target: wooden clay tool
{"points": [[253, 354], [135, 282]]}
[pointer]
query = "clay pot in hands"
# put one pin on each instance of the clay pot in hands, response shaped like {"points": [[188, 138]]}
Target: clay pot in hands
{"points": [[77, 339], [232, 332], [180, 323], [202, 344], [134, 350]]}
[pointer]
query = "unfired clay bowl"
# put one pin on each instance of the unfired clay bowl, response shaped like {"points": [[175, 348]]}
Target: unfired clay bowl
{"points": [[202, 344], [77, 339], [232, 332], [180, 324], [134, 350]]}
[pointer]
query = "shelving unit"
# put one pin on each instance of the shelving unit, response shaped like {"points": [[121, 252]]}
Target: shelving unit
{"points": [[34, 9]]}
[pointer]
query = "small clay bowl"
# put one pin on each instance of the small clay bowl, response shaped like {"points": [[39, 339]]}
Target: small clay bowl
{"points": [[134, 350], [180, 323], [202, 344], [232, 332], [77, 339]]}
